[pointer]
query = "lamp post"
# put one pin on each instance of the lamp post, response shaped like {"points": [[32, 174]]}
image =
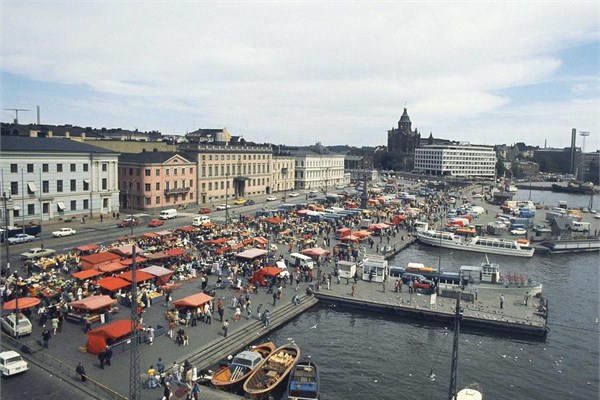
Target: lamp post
{"points": [[6, 198], [130, 189], [226, 197], [284, 172]]}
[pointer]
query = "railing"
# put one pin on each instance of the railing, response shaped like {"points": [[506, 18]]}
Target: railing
{"points": [[61, 369]]}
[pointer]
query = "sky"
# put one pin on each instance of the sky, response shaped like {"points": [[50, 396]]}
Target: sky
{"points": [[302, 72]]}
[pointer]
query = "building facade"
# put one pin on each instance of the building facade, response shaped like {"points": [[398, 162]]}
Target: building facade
{"points": [[51, 179], [153, 180], [403, 140], [317, 168], [283, 173], [456, 160]]}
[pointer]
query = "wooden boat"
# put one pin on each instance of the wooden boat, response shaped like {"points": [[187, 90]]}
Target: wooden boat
{"points": [[233, 376], [304, 381], [270, 374]]}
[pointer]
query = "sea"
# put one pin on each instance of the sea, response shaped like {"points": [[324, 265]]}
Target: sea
{"points": [[371, 356]]}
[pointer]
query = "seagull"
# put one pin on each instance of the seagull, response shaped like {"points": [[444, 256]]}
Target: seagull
{"points": [[314, 326], [431, 376]]}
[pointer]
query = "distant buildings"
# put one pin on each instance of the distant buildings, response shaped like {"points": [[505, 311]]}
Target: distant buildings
{"points": [[317, 168], [456, 160], [403, 141]]}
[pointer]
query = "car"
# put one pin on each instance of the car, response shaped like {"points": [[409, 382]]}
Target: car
{"points": [[271, 198], [223, 206], [313, 191], [518, 231], [24, 327], [204, 210], [239, 202], [249, 202], [37, 252], [12, 363], [312, 195], [156, 222], [294, 194], [64, 232], [20, 238], [128, 222]]}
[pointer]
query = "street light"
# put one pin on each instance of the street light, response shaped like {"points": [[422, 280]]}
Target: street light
{"points": [[6, 198], [284, 172], [130, 189], [226, 196]]}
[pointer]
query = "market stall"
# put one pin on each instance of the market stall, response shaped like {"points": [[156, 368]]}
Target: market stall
{"points": [[86, 249], [87, 274], [91, 308], [140, 276], [315, 252], [162, 274], [126, 250], [260, 276], [99, 338], [94, 261], [112, 284], [251, 254], [113, 267], [24, 303]]}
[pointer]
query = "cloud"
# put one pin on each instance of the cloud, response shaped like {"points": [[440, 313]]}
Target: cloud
{"points": [[294, 72]]}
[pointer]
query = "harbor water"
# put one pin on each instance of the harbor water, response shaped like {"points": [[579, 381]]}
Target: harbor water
{"points": [[369, 356]]}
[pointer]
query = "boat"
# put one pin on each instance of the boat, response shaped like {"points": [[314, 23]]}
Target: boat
{"points": [[272, 372], [580, 188], [304, 381], [231, 377], [449, 240], [597, 215], [572, 245]]}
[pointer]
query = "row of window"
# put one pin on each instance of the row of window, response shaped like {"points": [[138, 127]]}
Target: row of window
{"points": [[223, 184], [60, 207], [232, 157], [148, 186], [242, 169], [60, 186], [72, 167], [148, 171]]}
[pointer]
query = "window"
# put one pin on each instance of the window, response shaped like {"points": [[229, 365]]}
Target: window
{"points": [[191, 182], [14, 168], [30, 209], [45, 186], [147, 189], [45, 168], [73, 184], [174, 171], [73, 167], [104, 184], [157, 200], [86, 204], [86, 184], [85, 168], [147, 200], [104, 167], [209, 185], [138, 188], [158, 172], [30, 168], [130, 171], [157, 185], [147, 172], [167, 172], [45, 208], [191, 170], [73, 205], [16, 212], [59, 186], [59, 168]]}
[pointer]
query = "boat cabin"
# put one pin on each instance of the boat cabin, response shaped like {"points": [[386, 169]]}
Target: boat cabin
{"points": [[244, 361], [487, 272]]}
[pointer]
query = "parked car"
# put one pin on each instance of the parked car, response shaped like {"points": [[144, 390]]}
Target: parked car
{"points": [[37, 252], [64, 232], [293, 194], [204, 210], [239, 202], [312, 195], [24, 327], [271, 198], [12, 363], [156, 222], [20, 238], [518, 231], [128, 222], [223, 206], [249, 202]]}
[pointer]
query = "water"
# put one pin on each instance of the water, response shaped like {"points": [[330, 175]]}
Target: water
{"points": [[369, 356]]}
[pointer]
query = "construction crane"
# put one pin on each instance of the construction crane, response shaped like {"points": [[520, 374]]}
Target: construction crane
{"points": [[16, 110], [583, 134]]}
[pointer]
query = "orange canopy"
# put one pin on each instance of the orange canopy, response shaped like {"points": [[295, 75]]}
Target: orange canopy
{"points": [[112, 267], [129, 261], [259, 275], [98, 338], [112, 283], [88, 273], [140, 276], [87, 247], [96, 260], [195, 300], [93, 303], [24, 302]]}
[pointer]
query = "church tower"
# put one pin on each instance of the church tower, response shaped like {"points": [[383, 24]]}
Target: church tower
{"points": [[404, 125]]}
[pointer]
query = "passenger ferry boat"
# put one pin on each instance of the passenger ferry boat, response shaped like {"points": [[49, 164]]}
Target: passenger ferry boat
{"points": [[449, 240]]}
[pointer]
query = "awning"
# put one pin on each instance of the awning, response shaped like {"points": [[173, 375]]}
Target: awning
{"points": [[129, 261], [175, 252], [97, 338], [24, 302], [88, 273], [150, 235], [87, 247], [251, 253], [126, 250], [112, 267], [31, 186], [162, 274], [97, 259], [195, 300], [61, 205], [315, 251], [274, 220], [93, 303], [261, 240], [188, 228], [163, 233], [112, 283], [16, 207], [140, 276], [86, 181]]}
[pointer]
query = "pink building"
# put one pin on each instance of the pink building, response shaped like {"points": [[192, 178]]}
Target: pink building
{"points": [[154, 180]]}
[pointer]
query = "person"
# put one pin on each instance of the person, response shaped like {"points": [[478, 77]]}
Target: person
{"points": [[152, 377], [274, 298], [55, 325], [295, 300], [160, 366], [176, 372], [102, 358], [259, 310], [81, 372], [383, 286], [267, 317], [196, 391], [396, 286], [476, 293], [46, 335], [502, 301], [220, 309], [225, 327], [167, 391], [150, 336]]}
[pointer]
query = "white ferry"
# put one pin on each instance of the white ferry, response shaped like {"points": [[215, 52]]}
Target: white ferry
{"points": [[505, 247]]}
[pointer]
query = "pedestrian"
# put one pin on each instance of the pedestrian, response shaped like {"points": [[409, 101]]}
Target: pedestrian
{"points": [[150, 336], [81, 372], [267, 317], [88, 326], [102, 358], [171, 329], [152, 377], [176, 372], [274, 298], [396, 286], [225, 327], [502, 301], [46, 335], [208, 316], [160, 366], [55, 325], [196, 391], [295, 300], [167, 392], [476, 293], [248, 309], [259, 310]]}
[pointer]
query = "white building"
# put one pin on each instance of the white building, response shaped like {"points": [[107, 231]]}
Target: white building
{"points": [[456, 160], [52, 178], [282, 173], [317, 168]]}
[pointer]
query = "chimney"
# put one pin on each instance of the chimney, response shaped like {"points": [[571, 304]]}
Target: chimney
{"points": [[38, 115], [573, 138]]}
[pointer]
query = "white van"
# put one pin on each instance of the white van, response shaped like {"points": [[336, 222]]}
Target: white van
{"points": [[300, 260], [23, 328], [201, 220], [168, 213]]}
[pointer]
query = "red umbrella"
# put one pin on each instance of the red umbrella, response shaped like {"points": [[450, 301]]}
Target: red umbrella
{"points": [[24, 302]]}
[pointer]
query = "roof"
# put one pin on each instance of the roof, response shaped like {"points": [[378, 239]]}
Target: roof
{"points": [[60, 145], [152, 157], [194, 300], [93, 302], [405, 117]]}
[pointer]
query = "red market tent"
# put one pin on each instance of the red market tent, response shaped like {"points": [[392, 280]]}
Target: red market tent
{"points": [[98, 338], [175, 252], [158, 255], [113, 267], [259, 275], [261, 240], [221, 250], [88, 273], [195, 300], [315, 251], [24, 302], [87, 247], [274, 220], [188, 228], [150, 235], [126, 250], [351, 238], [216, 241], [140, 276], [378, 227], [94, 261], [93, 303], [362, 234], [251, 253], [112, 283], [162, 274], [129, 261]]}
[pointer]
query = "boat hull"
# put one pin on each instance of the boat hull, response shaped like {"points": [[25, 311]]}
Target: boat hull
{"points": [[474, 246], [272, 374], [304, 381], [221, 379]]}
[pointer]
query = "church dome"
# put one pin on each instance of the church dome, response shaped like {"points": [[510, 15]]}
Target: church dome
{"points": [[405, 117]]}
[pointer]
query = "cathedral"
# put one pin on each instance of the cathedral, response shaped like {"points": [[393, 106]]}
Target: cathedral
{"points": [[403, 141]]}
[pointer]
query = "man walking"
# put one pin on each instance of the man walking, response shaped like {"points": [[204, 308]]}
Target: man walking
{"points": [[108, 355], [267, 318], [81, 371], [46, 335], [502, 301], [225, 327]]}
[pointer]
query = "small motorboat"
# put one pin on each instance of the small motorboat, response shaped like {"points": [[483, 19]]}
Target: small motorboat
{"points": [[268, 377], [304, 381], [231, 377]]}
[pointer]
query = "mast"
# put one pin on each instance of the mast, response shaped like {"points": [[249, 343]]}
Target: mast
{"points": [[452, 391]]}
